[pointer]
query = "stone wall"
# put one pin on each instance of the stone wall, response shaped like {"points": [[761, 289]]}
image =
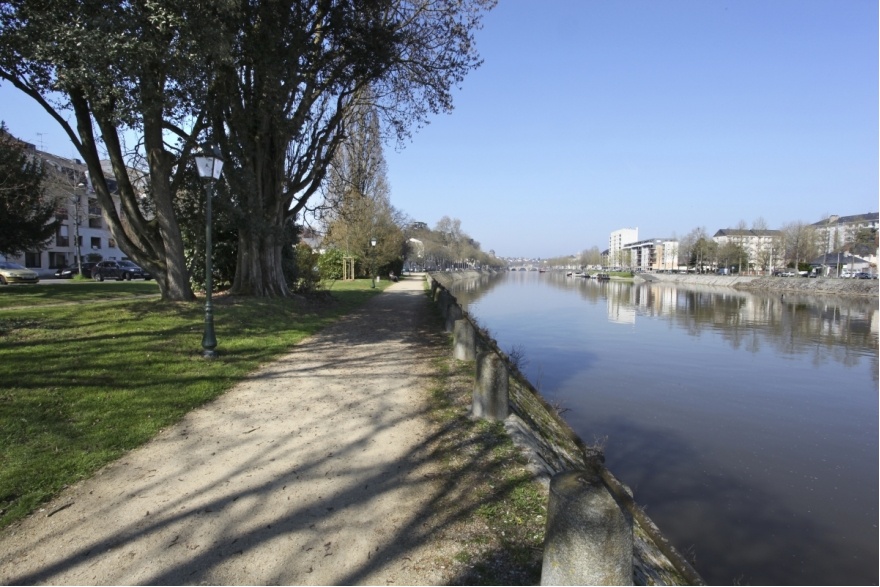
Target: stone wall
{"points": [[821, 285], [552, 447]]}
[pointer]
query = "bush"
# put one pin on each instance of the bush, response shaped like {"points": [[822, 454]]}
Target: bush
{"points": [[305, 260], [330, 265]]}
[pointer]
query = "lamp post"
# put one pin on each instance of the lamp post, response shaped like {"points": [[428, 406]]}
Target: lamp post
{"points": [[209, 165], [372, 262]]}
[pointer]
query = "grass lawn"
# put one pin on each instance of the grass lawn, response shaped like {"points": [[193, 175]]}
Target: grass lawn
{"points": [[91, 370]]}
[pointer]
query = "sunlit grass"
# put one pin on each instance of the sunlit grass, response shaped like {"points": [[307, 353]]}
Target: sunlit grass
{"points": [[82, 383]]}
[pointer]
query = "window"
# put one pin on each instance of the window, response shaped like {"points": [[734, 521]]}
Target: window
{"points": [[96, 242], [57, 260], [33, 260], [62, 238], [111, 242]]}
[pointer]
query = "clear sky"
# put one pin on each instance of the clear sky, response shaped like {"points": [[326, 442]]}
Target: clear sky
{"points": [[593, 115]]}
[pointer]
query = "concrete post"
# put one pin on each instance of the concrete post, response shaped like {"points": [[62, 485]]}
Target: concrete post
{"points": [[443, 303], [464, 339], [491, 396], [453, 314], [589, 539]]}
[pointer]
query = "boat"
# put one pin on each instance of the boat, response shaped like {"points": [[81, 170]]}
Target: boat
{"points": [[603, 277]]}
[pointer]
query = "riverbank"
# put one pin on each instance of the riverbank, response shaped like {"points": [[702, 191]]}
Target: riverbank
{"points": [[553, 447], [824, 286]]}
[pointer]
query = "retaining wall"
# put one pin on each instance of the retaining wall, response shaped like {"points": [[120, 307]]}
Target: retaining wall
{"points": [[551, 446], [821, 285]]}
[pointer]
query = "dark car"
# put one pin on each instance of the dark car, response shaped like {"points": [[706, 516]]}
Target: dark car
{"points": [[69, 272], [118, 270]]}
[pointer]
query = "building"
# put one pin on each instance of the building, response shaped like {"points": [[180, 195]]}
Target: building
{"points": [[764, 248], [837, 231], [82, 229], [616, 242], [656, 254]]}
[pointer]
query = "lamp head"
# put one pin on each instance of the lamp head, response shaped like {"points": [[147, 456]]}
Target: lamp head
{"points": [[209, 162]]}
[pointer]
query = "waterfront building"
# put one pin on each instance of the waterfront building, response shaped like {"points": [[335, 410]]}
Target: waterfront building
{"points": [[656, 254], [616, 243], [763, 248]]}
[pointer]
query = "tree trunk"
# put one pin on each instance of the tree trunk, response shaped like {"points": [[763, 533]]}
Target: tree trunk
{"points": [[258, 269]]}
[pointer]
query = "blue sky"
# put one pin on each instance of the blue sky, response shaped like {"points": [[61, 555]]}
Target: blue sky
{"points": [[588, 116]]}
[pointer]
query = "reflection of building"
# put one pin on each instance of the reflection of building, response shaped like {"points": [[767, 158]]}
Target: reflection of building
{"points": [[79, 213], [620, 310]]}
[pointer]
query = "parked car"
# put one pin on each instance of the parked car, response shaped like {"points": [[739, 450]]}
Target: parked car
{"points": [[118, 270], [69, 272], [863, 275], [15, 273]]}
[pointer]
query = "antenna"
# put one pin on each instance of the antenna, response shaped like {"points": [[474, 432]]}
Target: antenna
{"points": [[40, 134]]}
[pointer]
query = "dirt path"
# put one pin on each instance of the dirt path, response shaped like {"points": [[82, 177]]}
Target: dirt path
{"points": [[312, 471]]}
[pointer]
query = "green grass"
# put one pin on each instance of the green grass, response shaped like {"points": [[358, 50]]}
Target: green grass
{"points": [[74, 291], [84, 382]]}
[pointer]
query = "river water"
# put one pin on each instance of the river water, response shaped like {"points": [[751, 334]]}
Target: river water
{"points": [[746, 424]]}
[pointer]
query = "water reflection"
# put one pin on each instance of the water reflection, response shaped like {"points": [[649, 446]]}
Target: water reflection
{"points": [[826, 327], [746, 423]]}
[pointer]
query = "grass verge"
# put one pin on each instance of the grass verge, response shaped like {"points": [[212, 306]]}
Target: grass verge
{"points": [[90, 371], [496, 514]]}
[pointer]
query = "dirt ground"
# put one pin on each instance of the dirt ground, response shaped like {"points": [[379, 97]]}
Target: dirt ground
{"points": [[315, 470]]}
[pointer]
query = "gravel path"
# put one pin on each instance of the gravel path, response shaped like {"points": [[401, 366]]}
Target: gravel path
{"points": [[312, 471]]}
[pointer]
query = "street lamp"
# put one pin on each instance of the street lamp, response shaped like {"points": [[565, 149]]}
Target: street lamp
{"points": [[209, 164], [372, 262]]}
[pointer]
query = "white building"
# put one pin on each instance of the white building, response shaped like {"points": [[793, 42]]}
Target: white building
{"points": [[616, 244], [836, 231], [656, 254], [764, 248], [79, 214]]}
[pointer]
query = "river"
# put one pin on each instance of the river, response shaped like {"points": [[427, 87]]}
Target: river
{"points": [[746, 424]]}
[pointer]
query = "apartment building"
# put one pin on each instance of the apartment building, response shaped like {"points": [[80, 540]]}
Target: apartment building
{"points": [[836, 231], [656, 254], [82, 229], [764, 248], [616, 244]]}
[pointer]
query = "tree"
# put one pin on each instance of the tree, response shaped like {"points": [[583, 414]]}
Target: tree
{"points": [[801, 242], [122, 69], [356, 195], [698, 249], [26, 212], [298, 68]]}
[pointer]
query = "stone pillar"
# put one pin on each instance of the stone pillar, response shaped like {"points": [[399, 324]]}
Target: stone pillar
{"points": [[589, 539], [464, 339], [453, 314], [443, 302], [491, 395]]}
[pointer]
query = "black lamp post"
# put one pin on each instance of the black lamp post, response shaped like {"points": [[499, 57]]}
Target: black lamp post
{"points": [[209, 164], [373, 261]]}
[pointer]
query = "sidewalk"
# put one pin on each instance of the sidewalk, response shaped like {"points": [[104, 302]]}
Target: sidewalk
{"points": [[312, 471]]}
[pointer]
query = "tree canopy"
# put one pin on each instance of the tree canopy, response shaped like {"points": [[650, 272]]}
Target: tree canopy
{"points": [[270, 81], [26, 211]]}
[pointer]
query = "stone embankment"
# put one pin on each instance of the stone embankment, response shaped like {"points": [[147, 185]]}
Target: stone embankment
{"points": [[824, 286]]}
